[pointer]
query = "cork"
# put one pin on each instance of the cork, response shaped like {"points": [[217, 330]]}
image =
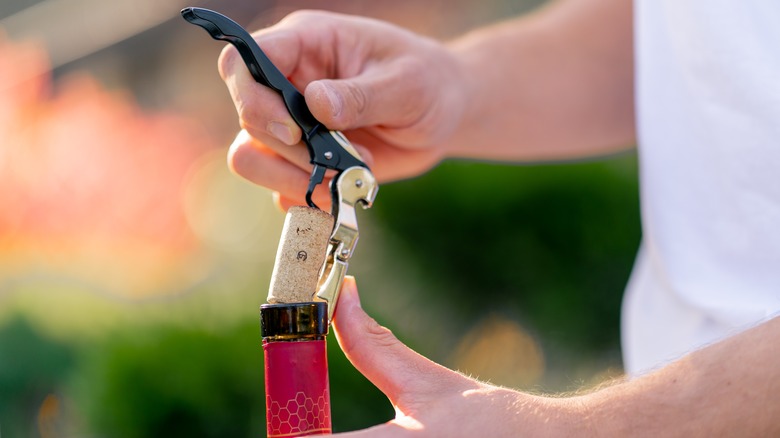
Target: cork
{"points": [[302, 250]]}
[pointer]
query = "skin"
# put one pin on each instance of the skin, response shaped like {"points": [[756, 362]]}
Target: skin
{"points": [[731, 388], [500, 93]]}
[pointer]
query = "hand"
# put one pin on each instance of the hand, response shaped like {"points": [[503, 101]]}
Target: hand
{"points": [[431, 400], [398, 97]]}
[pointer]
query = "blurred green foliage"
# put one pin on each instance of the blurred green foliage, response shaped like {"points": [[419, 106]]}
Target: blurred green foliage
{"points": [[31, 366], [188, 382], [550, 244], [174, 381]]}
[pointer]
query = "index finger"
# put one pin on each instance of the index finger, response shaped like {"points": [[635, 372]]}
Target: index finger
{"points": [[259, 107]]}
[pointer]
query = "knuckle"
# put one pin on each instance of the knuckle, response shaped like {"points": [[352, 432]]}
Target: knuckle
{"points": [[359, 103], [257, 107], [227, 61], [414, 75], [379, 335], [236, 159], [232, 159], [255, 115], [248, 115], [422, 109], [303, 17], [365, 154]]}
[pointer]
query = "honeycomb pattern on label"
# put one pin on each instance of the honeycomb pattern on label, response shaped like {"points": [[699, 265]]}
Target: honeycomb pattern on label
{"points": [[298, 415]]}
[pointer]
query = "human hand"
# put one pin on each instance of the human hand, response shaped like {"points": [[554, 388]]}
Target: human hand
{"points": [[431, 400], [397, 96]]}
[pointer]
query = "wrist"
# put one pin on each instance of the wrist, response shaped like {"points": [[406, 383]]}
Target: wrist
{"points": [[534, 415], [578, 417], [595, 415], [473, 103], [454, 99]]}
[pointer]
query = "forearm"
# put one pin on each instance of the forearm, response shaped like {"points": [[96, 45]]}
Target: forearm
{"points": [[556, 84], [731, 388]]}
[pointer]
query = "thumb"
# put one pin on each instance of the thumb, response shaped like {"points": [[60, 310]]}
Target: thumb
{"points": [[401, 374], [390, 96]]}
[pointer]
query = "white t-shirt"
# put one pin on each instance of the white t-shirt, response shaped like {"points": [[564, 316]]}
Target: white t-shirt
{"points": [[708, 111]]}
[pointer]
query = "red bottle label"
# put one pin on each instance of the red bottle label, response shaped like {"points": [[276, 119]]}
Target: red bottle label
{"points": [[297, 394]]}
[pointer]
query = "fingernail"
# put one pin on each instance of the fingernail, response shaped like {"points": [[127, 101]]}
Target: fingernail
{"points": [[350, 288], [281, 132]]}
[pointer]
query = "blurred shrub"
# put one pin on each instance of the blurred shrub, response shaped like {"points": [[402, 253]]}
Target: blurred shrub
{"points": [[550, 244], [173, 381], [32, 366]]}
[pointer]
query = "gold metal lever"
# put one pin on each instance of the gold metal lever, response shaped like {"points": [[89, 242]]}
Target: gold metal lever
{"points": [[355, 186]]}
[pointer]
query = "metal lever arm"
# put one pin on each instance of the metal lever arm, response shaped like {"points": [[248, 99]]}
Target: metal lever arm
{"points": [[262, 69], [355, 186]]}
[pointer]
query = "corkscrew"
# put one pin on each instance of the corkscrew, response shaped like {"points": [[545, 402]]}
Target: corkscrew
{"points": [[353, 184]]}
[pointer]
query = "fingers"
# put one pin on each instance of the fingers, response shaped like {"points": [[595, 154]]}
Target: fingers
{"points": [[283, 203], [259, 164], [393, 94], [355, 73], [352, 69], [405, 377], [389, 162], [260, 109], [296, 154]]}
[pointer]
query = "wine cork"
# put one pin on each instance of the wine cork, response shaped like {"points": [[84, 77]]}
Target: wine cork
{"points": [[302, 250]]}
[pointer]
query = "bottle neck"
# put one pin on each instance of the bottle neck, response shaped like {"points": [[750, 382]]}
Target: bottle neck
{"points": [[294, 321]]}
